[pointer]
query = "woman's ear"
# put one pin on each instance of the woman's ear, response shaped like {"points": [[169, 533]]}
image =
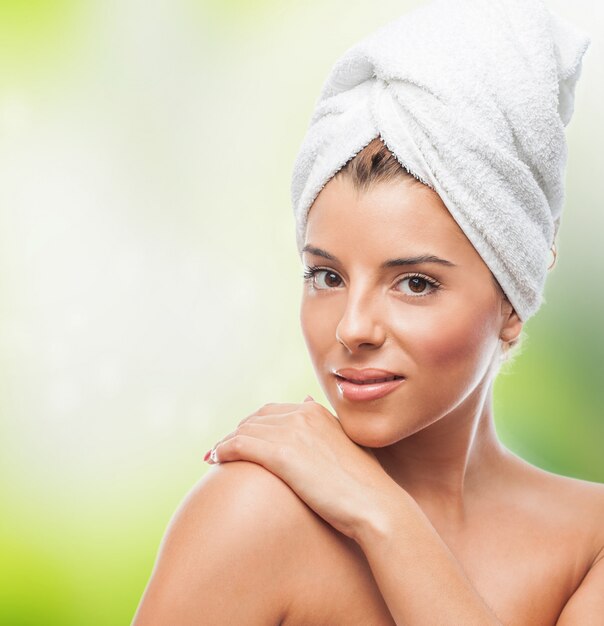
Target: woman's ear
{"points": [[512, 324]]}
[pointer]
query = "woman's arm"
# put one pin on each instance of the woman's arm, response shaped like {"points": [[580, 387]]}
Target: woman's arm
{"points": [[227, 556], [418, 576]]}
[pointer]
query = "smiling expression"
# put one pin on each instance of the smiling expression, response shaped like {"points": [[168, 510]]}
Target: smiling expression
{"points": [[392, 282]]}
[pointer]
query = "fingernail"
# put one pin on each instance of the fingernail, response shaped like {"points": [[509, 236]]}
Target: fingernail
{"points": [[207, 456], [309, 398]]}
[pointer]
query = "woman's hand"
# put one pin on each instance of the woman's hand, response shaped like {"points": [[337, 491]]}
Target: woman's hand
{"points": [[305, 445]]}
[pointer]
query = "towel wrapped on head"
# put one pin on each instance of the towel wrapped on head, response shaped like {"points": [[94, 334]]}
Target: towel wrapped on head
{"points": [[472, 97]]}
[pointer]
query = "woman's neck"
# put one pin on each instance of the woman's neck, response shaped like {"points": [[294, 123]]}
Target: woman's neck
{"points": [[451, 461]]}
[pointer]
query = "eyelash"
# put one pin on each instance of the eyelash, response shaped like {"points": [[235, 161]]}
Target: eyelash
{"points": [[311, 271]]}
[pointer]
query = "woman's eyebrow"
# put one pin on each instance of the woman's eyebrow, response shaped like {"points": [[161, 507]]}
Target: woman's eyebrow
{"points": [[414, 260]]}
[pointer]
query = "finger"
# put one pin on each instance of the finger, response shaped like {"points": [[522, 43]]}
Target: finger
{"points": [[271, 408], [295, 415], [270, 431], [244, 448]]}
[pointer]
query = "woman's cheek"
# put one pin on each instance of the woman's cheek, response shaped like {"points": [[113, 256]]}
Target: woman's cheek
{"points": [[447, 341]]}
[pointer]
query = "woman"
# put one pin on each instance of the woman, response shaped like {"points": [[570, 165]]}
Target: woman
{"points": [[425, 229]]}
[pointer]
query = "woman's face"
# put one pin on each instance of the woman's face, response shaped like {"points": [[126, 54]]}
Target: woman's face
{"points": [[393, 283]]}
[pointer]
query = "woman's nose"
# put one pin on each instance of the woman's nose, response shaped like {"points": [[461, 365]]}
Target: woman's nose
{"points": [[361, 326]]}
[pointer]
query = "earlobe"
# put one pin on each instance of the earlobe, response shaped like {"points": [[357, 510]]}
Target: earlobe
{"points": [[513, 324]]}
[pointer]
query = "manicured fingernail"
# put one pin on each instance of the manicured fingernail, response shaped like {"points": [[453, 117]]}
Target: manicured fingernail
{"points": [[207, 456], [309, 398], [213, 457]]}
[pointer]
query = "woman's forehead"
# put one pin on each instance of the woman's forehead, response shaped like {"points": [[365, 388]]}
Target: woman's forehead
{"points": [[388, 215]]}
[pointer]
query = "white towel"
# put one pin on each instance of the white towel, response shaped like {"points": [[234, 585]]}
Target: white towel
{"points": [[472, 97]]}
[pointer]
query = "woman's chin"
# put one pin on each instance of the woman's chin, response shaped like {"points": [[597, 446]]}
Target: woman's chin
{"points": [[371, 429]]}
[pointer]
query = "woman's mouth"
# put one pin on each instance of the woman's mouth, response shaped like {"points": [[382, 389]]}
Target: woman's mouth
{"points": [[363, 386]]}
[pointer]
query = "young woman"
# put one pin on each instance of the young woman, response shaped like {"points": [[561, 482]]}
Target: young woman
{"points": [[401, 506]]}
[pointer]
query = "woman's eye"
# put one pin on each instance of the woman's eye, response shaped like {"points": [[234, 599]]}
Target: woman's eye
{"points": [[323, 279], [417, 285]]}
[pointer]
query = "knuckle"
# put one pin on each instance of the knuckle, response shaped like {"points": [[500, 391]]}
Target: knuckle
{"points": [[301, 418], [243, 428], [265, 408]]}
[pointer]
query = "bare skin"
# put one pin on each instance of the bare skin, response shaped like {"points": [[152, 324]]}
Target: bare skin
{"points": [[243, 548], [526, 550]]}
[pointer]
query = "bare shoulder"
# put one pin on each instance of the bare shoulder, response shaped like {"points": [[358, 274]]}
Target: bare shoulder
{"points": [[228, 551], [573, 502], [574, 510], [243, 487]]}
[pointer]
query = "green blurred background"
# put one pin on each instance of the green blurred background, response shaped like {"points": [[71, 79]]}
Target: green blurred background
{"points": [[150, 280]]}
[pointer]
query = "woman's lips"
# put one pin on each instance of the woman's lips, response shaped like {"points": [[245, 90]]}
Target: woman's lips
{"points": [[360, 391]]}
